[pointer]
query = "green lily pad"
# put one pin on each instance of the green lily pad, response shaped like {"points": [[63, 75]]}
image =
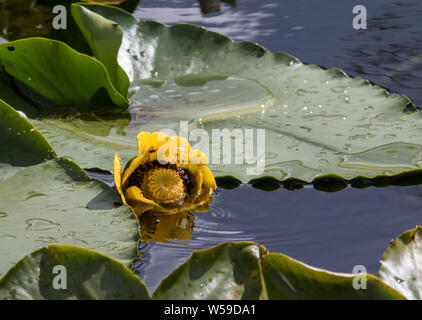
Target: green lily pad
{"points": [[225, 272], [54, 201], [105, 48], [59, 73], [21, 143], [12, 98], [88, 275], [245, 270], [23, 19], [286, 278], [401, 266], [318, 123]]}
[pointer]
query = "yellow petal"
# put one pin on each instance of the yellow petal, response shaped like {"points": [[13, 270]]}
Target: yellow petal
{"points": [[208, 182], [137, 200], [147, 140], [175, 150], [197, 183], [140, 204], [138, 161], [208, 187], [197, 160], [196, 157], [117, 170]]}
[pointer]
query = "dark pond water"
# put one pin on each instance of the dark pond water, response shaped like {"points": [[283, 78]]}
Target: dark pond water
{"points": [[338, 230]]}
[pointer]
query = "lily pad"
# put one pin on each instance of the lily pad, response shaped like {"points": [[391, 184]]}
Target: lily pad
{"points": [[105, 48], [54, 201], [21, 143], [318, 123], [286, 278], [401, 266], [245, 270], [225, 272], [59, 73], [23, 19], [12, 98], [83, 274], [229, 271]]}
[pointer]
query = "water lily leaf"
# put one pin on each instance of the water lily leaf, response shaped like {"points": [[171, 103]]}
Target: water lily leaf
{"points": [[318, 123], [245, 270], [105, 48], [286, 278], [88, 275], [21, 144], [23, 19], [401, 266], [12, 98], [59, 73], [56, 202], [228, 271]]}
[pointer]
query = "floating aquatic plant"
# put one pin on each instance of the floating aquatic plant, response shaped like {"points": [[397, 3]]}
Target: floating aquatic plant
{"points": [[167, 176]]}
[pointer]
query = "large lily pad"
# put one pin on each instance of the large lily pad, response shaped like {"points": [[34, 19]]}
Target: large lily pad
{"points": [[317, 122], [88, 275], [401, 264], [54, 201], [245, 270]]}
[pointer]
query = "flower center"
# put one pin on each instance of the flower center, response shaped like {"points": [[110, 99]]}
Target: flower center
{"points": [[164, 185]]}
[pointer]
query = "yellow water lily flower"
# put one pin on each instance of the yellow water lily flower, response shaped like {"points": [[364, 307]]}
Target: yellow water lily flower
{"points": [[167, 176]]}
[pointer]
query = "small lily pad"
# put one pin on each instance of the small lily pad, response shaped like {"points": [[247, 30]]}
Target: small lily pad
{"points": [[401, 266]]}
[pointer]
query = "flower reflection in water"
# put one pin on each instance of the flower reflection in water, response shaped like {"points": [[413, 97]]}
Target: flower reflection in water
{"points": [[167, 228]]}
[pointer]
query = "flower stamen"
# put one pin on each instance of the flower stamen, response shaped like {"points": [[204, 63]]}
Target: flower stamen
{"points": [[164, 185]]}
